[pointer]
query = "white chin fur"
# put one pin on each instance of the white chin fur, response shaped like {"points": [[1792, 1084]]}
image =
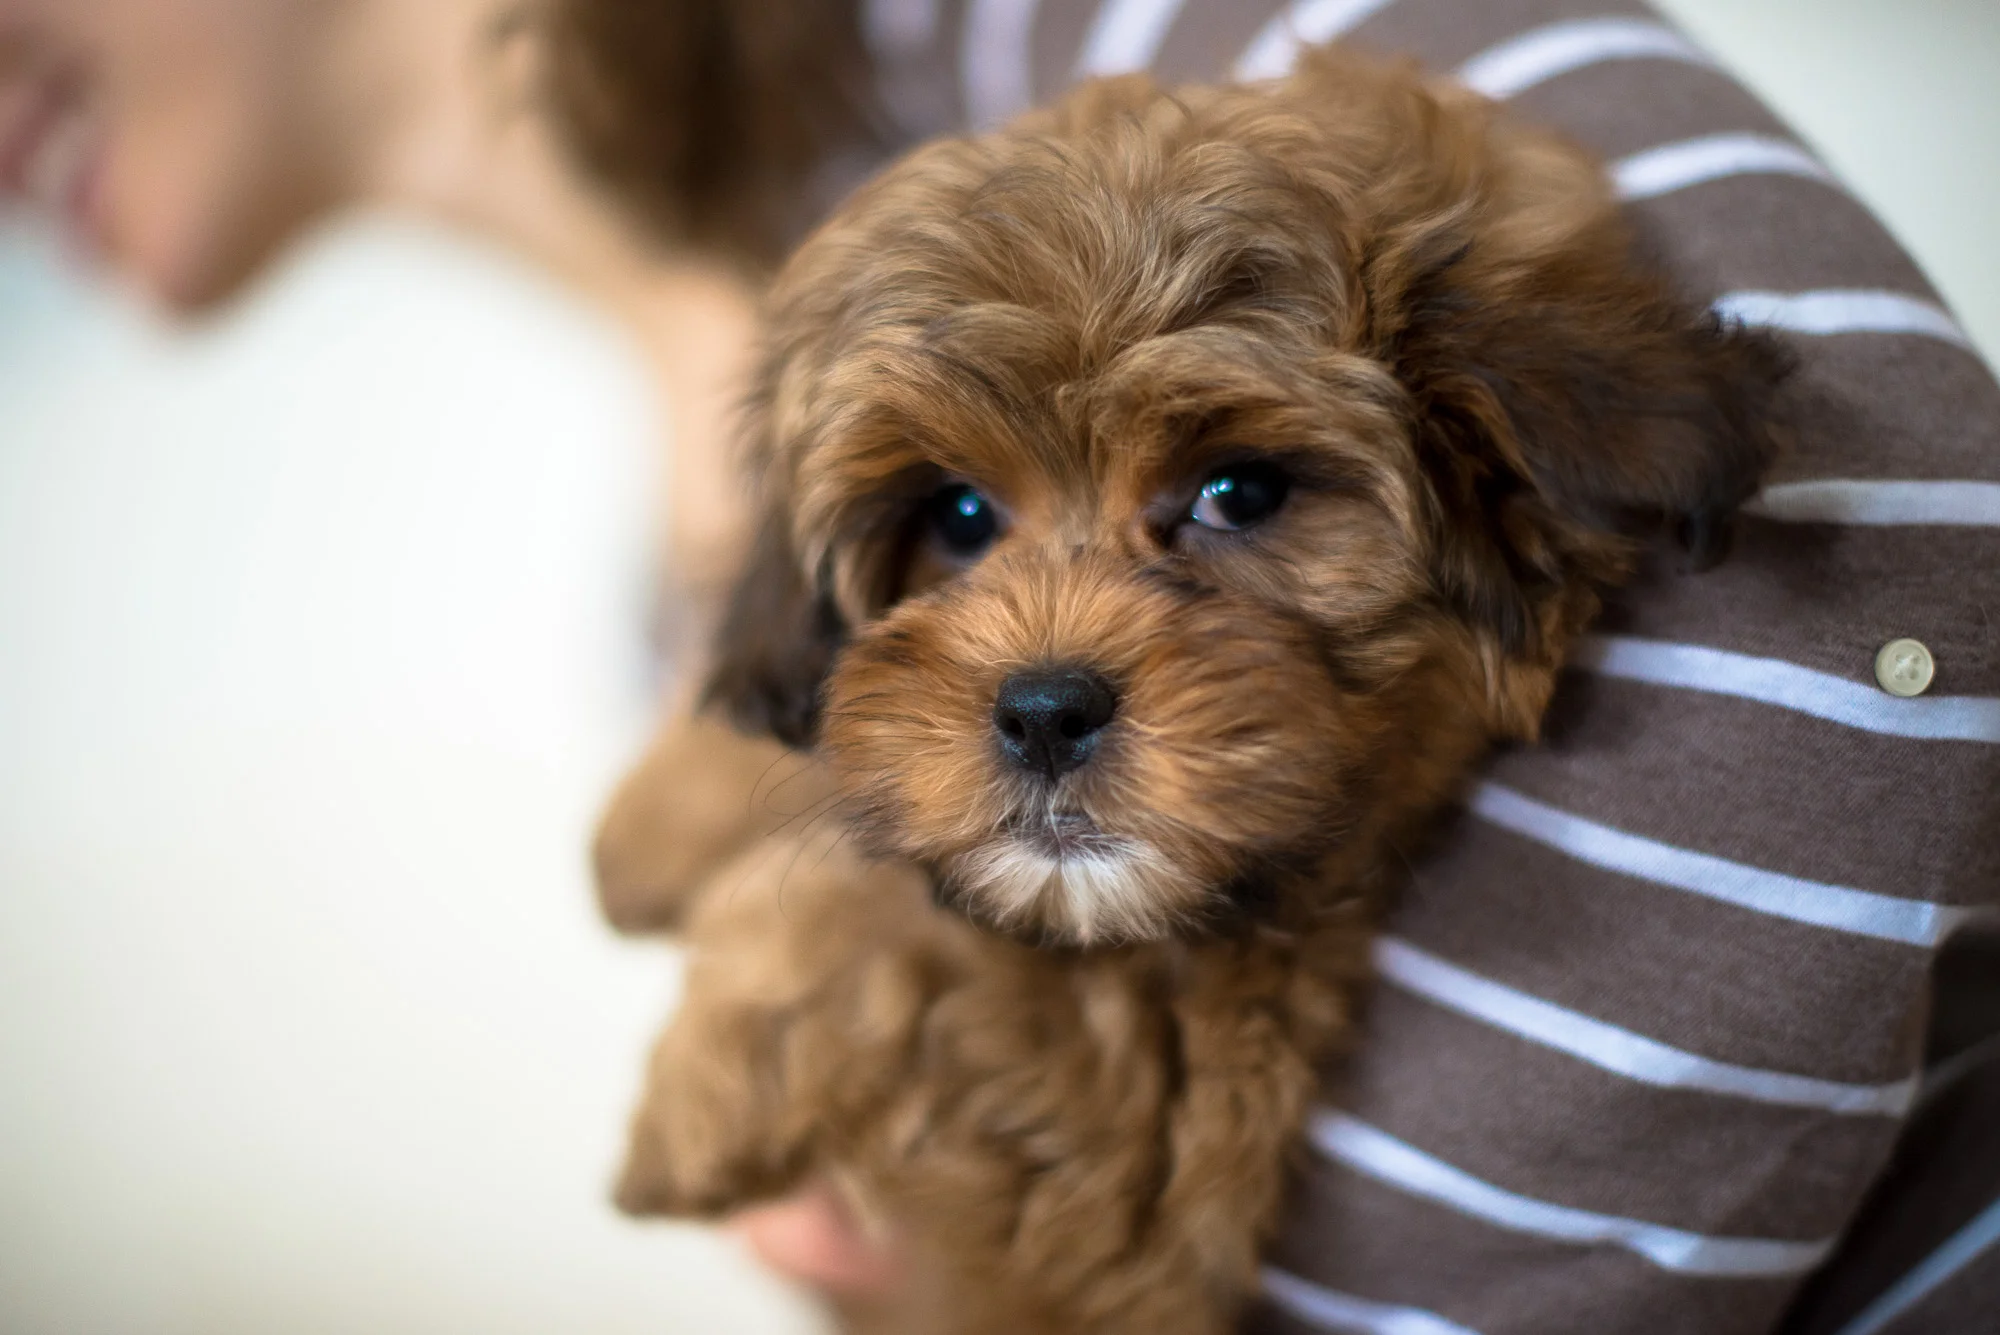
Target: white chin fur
{"points": [[1104, 895]]}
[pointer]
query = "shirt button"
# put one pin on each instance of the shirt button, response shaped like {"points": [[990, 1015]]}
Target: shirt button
{"points": [[1905, 667]]}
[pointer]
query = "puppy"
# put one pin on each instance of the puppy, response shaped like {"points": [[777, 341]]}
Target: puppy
{"points": [[1165, 503]]}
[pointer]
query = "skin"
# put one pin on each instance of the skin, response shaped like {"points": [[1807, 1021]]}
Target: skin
{"points": [[815, 1241], [181, 145], [178, 142]]}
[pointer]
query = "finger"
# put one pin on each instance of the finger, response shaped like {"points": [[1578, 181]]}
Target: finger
{"points": [[813, 1240]]}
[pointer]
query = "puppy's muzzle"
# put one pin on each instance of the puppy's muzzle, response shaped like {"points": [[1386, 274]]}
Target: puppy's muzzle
{"points": [[1049, 719]]}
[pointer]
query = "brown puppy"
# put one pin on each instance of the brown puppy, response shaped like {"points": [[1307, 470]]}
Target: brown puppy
{"points": [[1167, 500]]}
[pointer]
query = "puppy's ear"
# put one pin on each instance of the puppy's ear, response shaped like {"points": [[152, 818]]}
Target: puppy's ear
{"points": [[777, 642], [1567, 404]]}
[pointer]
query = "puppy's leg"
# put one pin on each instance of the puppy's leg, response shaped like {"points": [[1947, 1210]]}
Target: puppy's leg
{"points": [[701, 795], [1065, 1143], [807, 977], [1257, 1028], [1099, 1143]]}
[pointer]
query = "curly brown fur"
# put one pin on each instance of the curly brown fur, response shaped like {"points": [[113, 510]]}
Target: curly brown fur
{"points": [[1066, 1142], [701, 795], [1424, 328], [710, 117]]}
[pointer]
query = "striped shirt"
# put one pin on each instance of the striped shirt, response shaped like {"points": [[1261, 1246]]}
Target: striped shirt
{"points": [[1650, 1019]]}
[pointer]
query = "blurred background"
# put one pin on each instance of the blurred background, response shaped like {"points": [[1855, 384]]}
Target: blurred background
{"points": [[322, 637]]}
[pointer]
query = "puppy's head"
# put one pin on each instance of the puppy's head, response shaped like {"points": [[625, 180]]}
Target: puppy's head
{"points": [[1168, 498]]}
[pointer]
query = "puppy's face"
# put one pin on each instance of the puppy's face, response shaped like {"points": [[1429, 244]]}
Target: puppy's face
{"points": [[1168, 499]]}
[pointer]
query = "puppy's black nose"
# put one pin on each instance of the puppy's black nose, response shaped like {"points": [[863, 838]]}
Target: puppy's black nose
{"points": [[1049, 718]]}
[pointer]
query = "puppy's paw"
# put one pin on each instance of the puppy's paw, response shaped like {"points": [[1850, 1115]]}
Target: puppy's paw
{"points": [[702, 794], [659, 1180], [697, 1154]]}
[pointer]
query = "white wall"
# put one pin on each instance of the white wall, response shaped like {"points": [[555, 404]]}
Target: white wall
{"points": [[317, 648], [1902, 99]]}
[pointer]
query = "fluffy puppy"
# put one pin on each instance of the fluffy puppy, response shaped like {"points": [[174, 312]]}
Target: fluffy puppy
{"points": [[1166, 501]]}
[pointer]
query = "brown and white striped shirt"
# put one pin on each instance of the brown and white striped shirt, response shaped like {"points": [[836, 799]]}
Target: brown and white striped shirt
{"points": [[1650, 1020]]}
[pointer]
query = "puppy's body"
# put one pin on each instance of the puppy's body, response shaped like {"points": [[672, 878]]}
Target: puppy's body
{"points": [[1064, 1142], [1167, 502]]}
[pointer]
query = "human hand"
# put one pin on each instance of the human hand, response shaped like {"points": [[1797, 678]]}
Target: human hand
{"points": [[813, 1239]]}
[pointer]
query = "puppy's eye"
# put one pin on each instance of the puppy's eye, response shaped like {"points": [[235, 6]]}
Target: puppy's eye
{"points": [[963, 521], [1240, 495]]}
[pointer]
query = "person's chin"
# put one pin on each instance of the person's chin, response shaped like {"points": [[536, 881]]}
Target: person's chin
{"points": [[187, 261]]}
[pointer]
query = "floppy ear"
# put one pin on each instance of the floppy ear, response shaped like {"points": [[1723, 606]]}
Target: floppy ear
{"points": [[777, 641], [1567, 405]]}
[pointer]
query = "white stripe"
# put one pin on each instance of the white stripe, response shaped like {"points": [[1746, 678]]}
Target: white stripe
{"points": [[1520, 63], [996, 60], [1836, 906], [1276, 47], [1859, 501], [1341, 1311], [1843, 311], [899, 27], [1126, 36], [1771, 681], [1958, 1251], [1621, 1051], [1350, 1141], [1670, 167]]}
